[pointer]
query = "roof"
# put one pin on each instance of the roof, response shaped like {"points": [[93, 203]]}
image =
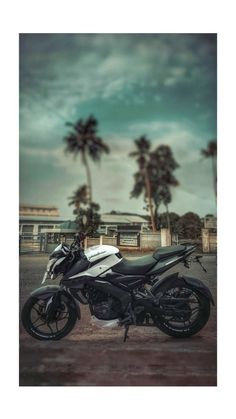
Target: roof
{"points": [[68, 225], [105, 219], [122, 219], [38, 218], [38, 206]]}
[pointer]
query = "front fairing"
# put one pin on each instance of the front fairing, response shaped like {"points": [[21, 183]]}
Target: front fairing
{"points": [[52, 268], [59, 251]]}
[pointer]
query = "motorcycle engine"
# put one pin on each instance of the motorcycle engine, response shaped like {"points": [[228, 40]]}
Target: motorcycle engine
{"points": [[104, 307]]}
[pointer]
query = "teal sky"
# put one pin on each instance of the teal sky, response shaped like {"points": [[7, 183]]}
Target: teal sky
{"points": [[163, 86]]}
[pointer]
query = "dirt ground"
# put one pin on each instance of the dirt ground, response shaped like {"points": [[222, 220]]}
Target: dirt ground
{"points": [[89, 356]]}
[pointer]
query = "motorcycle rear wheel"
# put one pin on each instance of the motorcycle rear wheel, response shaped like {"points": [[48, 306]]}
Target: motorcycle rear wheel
{"points": [[35, 323], [189, 318]]}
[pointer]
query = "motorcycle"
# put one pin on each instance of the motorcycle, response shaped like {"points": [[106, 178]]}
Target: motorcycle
{"points": [[119, 292]]}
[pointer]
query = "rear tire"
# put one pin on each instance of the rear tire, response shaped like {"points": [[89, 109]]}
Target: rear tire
{"points": [[31, 326], [184, 329]]}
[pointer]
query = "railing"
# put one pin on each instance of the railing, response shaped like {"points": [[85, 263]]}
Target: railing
{"points": [[35, 243], [31, 243]]}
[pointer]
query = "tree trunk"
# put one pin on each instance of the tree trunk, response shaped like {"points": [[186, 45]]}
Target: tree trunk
{"points": [[214, 174], [167, 216], [89, 179], [149, 196]]}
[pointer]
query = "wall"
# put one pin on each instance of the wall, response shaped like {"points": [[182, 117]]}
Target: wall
{"points": [[147, 240], [209, 241], [150, 240]]}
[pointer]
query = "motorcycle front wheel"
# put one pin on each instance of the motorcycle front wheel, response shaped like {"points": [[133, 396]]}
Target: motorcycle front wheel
{"points": [[34, 319], [184, 311]]}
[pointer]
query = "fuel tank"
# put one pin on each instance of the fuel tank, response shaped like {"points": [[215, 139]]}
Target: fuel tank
{"points": [[94, 253]]}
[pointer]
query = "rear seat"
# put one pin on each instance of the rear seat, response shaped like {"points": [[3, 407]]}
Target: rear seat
{"points": [[167, 251]]}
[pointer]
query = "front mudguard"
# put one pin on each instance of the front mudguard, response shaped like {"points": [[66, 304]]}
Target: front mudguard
{"points": [[176, 280], [52, 290]]}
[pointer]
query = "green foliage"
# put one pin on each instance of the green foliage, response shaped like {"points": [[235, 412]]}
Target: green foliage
{"points": [[88, 218], [159, 166], [87, 213], [163, 221], [211, 150], [83, 139], [189, 226], [79, 197]]}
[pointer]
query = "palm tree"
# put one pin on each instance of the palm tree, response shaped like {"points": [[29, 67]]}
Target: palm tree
{"points": [[83, 140], [211, 152], [142, 178], [79, 197], [162, 166], [87, 213]]}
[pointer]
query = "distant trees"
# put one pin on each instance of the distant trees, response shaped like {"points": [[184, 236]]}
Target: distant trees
{"points": [[163, 165], [87, 213], [155, 177], [173, 219], [189, 226], [83, 140], [211, 152], [142, 178], [79, 197]]}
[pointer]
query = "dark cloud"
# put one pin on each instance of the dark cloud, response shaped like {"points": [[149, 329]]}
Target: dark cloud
{"points": [[162, 85]]}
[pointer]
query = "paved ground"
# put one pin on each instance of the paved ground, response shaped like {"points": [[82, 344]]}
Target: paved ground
{"points": [[94, 357]]}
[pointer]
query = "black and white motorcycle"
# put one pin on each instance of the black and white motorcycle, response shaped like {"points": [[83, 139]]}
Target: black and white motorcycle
{"points": [[119, 292]]}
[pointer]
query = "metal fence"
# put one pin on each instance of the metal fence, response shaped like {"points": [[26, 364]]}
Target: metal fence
{"points": [[33, 243], [46, 242]]}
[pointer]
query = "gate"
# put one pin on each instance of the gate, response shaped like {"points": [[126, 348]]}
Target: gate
{"points": [[33, 243]]}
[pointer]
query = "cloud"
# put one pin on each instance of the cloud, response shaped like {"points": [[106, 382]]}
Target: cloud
{"points": [[131, 82], [96, 66], [185, 143]]}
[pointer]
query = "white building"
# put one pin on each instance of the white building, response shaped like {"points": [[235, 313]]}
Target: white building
{"points": [[35, 218], [111, 223]]}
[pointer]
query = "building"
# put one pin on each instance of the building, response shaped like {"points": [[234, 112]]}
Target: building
{"points": [[111, 223], [35, 218], [210, 221], [38, 210], [209, 234]]}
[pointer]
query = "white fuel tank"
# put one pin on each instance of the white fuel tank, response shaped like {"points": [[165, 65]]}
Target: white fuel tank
{"points": [[98, 252]]}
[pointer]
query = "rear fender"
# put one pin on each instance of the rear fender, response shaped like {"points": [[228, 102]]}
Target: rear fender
{"points": [[176, 280], [51, 290], [201, 287]]}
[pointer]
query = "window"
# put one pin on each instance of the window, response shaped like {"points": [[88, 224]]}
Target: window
{"points": [[27, 229], [43, 226]]}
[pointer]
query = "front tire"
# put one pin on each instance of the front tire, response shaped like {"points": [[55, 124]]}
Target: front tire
{"points": [[183, 319], [35, 322]]}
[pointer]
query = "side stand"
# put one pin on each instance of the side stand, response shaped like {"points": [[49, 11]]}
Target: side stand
{"points": [[126, 332]]}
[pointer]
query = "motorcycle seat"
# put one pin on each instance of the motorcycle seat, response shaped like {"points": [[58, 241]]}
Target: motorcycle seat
{"points": [[168, 251], [138, 266]]}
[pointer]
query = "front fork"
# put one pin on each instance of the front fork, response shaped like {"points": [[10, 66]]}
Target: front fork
{"points": [[52, 306]]}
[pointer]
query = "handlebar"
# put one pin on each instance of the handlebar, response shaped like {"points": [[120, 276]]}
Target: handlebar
{"points": [[79, 237]]}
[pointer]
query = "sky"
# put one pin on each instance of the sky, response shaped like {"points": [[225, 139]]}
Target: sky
{"points": [[159, 85]]}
